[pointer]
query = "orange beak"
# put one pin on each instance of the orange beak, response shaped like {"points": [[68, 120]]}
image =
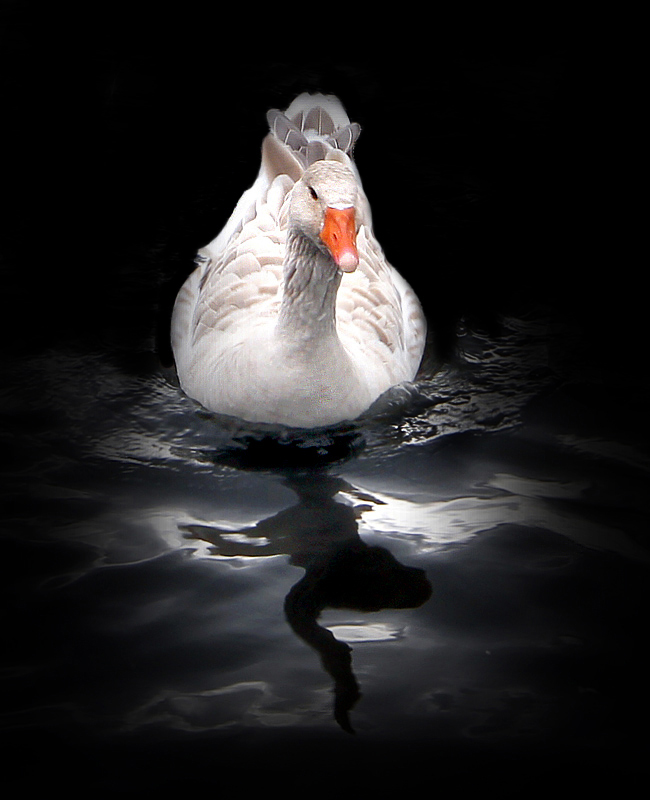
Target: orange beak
{"points": [[340, 235]]}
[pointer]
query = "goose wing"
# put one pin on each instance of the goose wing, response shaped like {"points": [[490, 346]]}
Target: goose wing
{"points": [[379, 316]]}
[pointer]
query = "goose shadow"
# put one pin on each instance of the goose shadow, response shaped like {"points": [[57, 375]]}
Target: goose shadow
{"points": [[320, 534]]}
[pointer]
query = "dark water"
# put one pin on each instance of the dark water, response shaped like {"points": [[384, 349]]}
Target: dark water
{"points": [[178, 600], [450, 592]]}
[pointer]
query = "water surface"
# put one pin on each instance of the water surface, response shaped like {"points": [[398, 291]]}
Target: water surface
{"points": [[457, 580]]}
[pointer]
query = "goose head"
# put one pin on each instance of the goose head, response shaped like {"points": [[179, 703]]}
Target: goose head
{"points": [[323, 209]]}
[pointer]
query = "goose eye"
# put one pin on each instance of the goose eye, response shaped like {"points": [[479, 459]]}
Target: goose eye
{"points": [[312, 191]]}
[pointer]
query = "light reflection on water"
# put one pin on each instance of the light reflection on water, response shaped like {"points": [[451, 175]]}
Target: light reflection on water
{"points": [[467, 545]]}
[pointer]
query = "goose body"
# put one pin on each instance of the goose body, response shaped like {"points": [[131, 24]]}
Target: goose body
{"points": [[293, 315]]}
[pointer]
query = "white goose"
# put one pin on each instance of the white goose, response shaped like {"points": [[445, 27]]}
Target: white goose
{"points": [[293, 315]]}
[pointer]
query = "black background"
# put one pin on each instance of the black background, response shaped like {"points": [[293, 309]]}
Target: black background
{"points": [[491, 157]]}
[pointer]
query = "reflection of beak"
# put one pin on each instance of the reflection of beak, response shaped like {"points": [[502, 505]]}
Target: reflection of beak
{"points": [[340, 235]]}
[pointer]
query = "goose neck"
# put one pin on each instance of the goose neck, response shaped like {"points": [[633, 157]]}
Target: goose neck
{"points": [[311, 282]]}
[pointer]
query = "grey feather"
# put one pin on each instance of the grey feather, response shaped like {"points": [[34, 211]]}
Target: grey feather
{"points": [[284, 130], [345, 138], [316, 151], [316, 121]]}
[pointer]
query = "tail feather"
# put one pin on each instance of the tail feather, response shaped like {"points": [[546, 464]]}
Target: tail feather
{"points": [[330, 104], [319, 120], [286, 130], [312, 125]]}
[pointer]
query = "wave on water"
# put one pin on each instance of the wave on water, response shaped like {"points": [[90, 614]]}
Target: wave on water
{"points": [[143, 418]]}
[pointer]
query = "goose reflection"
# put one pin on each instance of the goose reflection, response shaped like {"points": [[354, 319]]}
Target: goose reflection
{"points": [[320, 534]]}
